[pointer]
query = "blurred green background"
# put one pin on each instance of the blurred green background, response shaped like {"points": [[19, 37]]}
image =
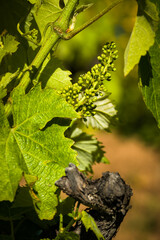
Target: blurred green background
{"points": [[134, 144]]}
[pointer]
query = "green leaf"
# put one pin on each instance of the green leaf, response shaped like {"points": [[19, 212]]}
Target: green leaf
{"points": [[46, 12], [149, 73], [10, 172], [68, 236], [3, 92], [11, 12], [7, 213], [8, 45], [65, 1], [22, 199], [89, 223], [7, 78], [35, 148], [143, 34], [104, 114], [5, 81], [149, 70], [89, 149], [66, 206], [151, 9], [105, 160], [34, 1], [54, 75]]}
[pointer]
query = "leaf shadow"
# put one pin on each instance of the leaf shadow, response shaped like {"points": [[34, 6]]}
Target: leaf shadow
{"points": [[59, 121], [145, 70]]}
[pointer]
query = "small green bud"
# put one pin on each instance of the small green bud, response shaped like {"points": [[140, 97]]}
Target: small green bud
{"points": [[94, 99]]}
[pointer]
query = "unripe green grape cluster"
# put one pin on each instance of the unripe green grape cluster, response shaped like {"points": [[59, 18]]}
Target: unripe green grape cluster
{"points": [[108, 62], [90, 85]]}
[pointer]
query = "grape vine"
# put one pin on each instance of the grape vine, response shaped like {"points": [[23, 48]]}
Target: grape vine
{"points": [[90, 86], [40, 109]]}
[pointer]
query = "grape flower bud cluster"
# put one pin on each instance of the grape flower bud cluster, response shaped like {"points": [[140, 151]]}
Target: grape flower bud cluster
{"points": [[90, 85], [32, 35]]}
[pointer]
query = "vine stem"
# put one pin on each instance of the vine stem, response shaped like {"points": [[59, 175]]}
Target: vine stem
{"points": [[12, 230], [73, 220], [61, 222], [11, 226], [62, 23], [92, 20]]}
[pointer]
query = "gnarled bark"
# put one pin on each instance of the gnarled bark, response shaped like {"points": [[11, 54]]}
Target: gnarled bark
{"points": [[107, 197]]}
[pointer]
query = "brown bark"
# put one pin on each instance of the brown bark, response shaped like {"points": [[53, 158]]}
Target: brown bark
{"points": [[107, 197]]}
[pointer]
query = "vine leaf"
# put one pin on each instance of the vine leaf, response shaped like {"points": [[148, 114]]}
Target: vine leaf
{"points": [[89, 223], [6, 187], [54, 75], [22, 199], [89, 149], [8, 45], [143, 34], [104, 114], [46, 12], [68, 236], [8, 212], [34, 1], [66, 206], [16, 11], [3, 92], [149, 71], [5, 80], [33, 147]]}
